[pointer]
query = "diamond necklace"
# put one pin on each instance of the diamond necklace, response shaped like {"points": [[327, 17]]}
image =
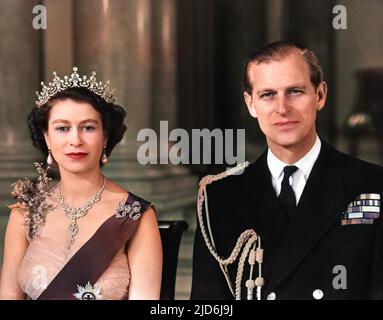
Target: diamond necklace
{"points": [[77, 213]]}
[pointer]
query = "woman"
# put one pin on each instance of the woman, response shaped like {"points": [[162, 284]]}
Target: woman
{"points": [[87, 237]]}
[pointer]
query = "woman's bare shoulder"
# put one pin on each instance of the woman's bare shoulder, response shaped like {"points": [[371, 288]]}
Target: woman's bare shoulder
{"points": [[17, 218], [115, 189], [17, 207], [18, 211]]}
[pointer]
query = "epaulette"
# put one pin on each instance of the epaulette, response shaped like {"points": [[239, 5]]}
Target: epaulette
{"points": [[235, 170]]}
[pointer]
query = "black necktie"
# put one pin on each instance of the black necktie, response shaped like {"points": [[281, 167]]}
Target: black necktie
{"points": [[287, 195]]}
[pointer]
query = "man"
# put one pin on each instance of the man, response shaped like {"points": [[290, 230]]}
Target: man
{"points": [[316, 209]]}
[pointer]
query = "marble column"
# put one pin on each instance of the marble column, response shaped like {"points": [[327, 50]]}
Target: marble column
{"points": [[19, 67], [20, 73], [113, 38], [58, 38], [274, 20], [164, 61]]}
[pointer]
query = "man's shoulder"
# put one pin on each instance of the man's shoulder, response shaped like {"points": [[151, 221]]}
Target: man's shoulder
{"points": [[225, 180], [368, 173], [231, 181], [355, 168], [353, 162]]}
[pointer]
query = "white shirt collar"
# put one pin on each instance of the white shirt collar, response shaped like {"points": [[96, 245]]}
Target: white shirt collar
{"points": [[305, 164]]}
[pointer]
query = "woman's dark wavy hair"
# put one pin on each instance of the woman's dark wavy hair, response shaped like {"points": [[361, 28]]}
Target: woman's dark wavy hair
{"points": [[112, 117]]}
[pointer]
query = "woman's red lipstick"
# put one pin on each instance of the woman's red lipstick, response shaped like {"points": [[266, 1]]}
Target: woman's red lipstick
{"points": [[76, 155]]}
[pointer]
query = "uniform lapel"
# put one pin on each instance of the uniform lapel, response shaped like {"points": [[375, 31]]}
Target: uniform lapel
{"points": [[322, 201]]}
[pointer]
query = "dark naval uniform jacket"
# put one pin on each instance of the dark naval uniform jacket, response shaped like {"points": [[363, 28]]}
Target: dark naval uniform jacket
{"points": [[321, 252]]}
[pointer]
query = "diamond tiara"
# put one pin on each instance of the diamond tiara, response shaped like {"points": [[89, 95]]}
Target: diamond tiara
{"points": [[74, 81]]}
